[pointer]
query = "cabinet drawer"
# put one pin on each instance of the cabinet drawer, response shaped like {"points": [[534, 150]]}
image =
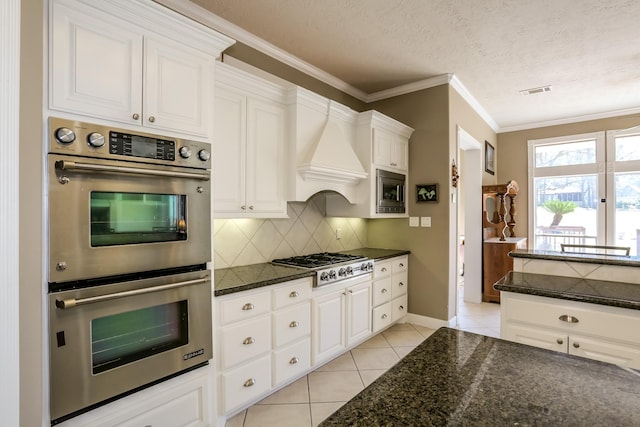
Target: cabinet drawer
{"points": [[246, 383], [185, 410], [399, 284], [381, 317], [291, 361], [381, 291], [298, 291], [291, 324], [605, 351], [537, 337], [610, 322], [399, 308], [245, 340], [245, 306], [399, 264], [381, 269]]}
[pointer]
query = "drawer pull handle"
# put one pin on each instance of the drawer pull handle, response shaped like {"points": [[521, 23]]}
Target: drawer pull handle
{"points": [[383, 269], [401, 265], [248, 340], [294, 294], [248, 306], [384, 291], [294, 324], [559, 341], [576, 345], [402, 308], [250, 382], [568, 319], [384, 316], [293, 361], [400, 284]]}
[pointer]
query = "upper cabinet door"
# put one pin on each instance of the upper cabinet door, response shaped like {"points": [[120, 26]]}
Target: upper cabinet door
{"points": [[96, 65], [390, 150], [177, 87]]}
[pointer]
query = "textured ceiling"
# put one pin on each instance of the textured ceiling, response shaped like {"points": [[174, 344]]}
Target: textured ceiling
{"points": [[587, 50]]}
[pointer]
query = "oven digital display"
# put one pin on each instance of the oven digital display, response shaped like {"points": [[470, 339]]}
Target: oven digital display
{"points": [[126, 144]]}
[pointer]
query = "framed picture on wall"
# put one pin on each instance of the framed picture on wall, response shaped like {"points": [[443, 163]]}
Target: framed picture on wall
{"points": [[489, 158], [427, 192]]}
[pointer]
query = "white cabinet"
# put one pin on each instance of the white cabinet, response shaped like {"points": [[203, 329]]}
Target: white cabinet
{"points": [[594, 331], [113, 65], [390, 283], [341, 317], [249, 147], [381, 143], [264, 341]]}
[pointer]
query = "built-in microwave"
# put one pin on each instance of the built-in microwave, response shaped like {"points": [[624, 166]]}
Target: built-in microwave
{"points": [[390, 192]]}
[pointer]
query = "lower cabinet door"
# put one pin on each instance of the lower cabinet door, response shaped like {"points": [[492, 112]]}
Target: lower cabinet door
{"points": [[605, 351], [246, 383], [291, 361], [329, 324], [531, 335], [381, 317], [399, 308]]}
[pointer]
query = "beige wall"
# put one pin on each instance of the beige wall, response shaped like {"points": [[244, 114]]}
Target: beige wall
{"points": [[30, 228], [512, 161]]}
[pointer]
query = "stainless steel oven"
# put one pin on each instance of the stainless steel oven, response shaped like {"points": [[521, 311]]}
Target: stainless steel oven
{"points": [[113, 338], [122, 202], [390, 192]]}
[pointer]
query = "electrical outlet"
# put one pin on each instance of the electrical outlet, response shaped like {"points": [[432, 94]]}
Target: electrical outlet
{"points": [[425, 221], [338, 233], [413, 221]]}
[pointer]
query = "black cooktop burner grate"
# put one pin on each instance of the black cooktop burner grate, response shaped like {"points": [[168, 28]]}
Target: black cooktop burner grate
{"points": [[317, 260]]}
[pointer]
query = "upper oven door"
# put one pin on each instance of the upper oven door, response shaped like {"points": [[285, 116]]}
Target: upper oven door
{"points": [[110, 217]]}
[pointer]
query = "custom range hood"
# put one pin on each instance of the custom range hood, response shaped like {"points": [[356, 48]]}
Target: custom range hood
{"points": [[324, 136]]}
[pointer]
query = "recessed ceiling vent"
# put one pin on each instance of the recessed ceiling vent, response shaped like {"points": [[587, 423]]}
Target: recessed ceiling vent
{"points": [[535, 90]]}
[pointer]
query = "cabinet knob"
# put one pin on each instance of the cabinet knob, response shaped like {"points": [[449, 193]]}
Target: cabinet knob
{"points": [[250, 382], [576, 345], [294, 294], [248, 340], [293, 361], [135, 116], [384, 316], [250, 207], [401, 265], [400, 284], [383, 269], [383, 291], [248, 306], [294, 324], [243, 207], [152, 119], [560, 341], [569, 319], [401, 308]]}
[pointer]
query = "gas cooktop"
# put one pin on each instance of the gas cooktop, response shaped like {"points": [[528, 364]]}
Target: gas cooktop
{"points": [[331, 266]]}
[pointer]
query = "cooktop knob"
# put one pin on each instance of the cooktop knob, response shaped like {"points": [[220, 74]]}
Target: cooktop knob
{"points": [[342, 272], [95, 139], [65, 135], [185, 152], [324, 276], [349, 270], [332, 274], [204, 155]]}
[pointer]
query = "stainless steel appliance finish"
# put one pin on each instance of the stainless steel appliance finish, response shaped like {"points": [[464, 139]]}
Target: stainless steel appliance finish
{"points": [[114, 338], [122, 202], [390, 192], [331, 267]]}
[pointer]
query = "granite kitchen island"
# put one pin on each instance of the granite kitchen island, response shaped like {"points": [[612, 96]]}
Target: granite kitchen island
{"points": [[458, 378]]}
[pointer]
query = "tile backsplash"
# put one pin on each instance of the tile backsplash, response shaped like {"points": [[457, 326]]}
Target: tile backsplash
{"points": [[307, 230]]}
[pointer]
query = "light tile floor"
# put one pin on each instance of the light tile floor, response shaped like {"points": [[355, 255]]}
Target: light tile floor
{"points": [[311, 399]]}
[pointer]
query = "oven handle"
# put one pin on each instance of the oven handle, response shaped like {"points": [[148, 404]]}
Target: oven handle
{"points": [[67, 165], [73, 302]]}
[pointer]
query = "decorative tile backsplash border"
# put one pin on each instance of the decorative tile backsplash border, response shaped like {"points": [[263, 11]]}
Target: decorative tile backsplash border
{"points": [[307, 230], [594, 271]]}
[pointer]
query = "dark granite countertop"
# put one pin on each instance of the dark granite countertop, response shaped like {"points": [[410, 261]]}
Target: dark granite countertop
{"points": [[616, 294], [627, 261], [457, 378], [246, 277]]}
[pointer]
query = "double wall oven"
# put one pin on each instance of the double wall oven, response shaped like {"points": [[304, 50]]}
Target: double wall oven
{"points": [[129, 298]]}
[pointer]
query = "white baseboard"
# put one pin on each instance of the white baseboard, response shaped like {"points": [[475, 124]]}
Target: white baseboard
{"points": [[430, 322]]}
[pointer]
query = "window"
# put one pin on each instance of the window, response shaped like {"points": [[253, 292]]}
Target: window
{"points": [[584, 190]]}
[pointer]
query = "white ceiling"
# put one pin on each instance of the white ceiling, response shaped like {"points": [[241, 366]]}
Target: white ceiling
{"points": [[587, 50]]}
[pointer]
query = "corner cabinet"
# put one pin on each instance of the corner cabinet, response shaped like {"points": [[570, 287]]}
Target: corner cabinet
{"points": [[249, 146], [107, 60], [381, 143], [608, 334]]}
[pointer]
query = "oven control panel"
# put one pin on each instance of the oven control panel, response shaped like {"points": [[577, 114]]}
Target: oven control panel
{"points": [[90, 140]]}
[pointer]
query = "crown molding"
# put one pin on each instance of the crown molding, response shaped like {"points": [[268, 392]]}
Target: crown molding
{"points": [[409, 87], [473, 102], [574, 119]]}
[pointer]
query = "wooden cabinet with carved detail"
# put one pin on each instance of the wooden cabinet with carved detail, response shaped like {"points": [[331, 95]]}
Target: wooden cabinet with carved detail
{"points": [[496, 262]]}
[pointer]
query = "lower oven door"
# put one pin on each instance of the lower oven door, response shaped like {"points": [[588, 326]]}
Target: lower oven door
{"points": [[109, 340]]}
